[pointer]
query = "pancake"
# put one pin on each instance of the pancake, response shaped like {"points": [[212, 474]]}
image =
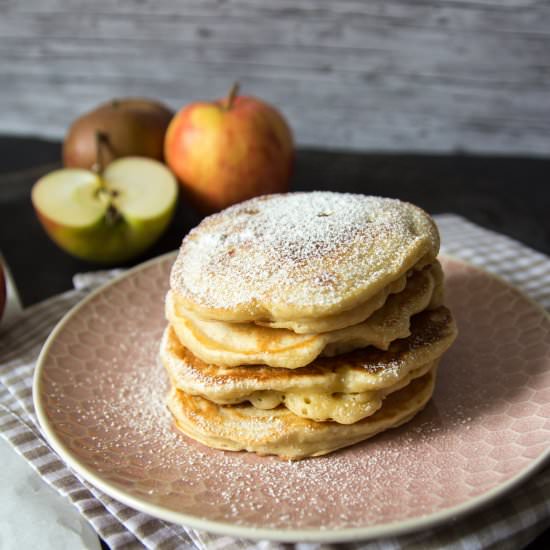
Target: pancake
{"points": [[282, 433], [326, 383], [345, 318], [299, 256], [343, 408], [234, 344], [362, 311]]}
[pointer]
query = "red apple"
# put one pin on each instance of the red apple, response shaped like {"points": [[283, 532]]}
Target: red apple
{"points": [[2, 291], [229, 150]]}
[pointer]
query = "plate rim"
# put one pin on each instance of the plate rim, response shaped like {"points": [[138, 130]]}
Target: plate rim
{"points": [[347, 534]]}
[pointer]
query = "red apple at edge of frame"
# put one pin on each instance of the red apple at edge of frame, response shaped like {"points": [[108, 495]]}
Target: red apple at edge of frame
{"points": [[2, 291], [229, 150]]}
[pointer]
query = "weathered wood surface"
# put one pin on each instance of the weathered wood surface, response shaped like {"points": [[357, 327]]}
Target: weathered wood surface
{"points": [[426, 75]]}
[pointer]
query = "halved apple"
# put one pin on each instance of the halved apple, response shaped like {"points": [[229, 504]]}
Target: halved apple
{"points": [[109, 217]]}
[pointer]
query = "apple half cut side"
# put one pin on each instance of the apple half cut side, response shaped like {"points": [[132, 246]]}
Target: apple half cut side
{"points": [[110, 217]]}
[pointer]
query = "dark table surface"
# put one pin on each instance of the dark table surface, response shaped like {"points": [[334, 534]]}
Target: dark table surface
{"points": [[508, 195]]}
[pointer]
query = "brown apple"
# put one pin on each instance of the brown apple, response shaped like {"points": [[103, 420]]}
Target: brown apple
{"points": [[2, 291], [128, 127], [229, 150]]}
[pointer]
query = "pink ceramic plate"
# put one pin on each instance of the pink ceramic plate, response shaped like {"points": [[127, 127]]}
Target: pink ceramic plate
{"points": [[99, 395]]}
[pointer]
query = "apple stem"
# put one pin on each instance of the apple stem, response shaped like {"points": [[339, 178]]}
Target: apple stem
{"points": [[112, 215], [231, 96], [104, 193]]}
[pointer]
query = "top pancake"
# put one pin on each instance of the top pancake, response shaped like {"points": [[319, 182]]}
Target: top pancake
{"points": [[296, 256]]}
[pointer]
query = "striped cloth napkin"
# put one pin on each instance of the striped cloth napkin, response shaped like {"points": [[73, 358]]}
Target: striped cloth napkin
{"points": [[511, 522]]}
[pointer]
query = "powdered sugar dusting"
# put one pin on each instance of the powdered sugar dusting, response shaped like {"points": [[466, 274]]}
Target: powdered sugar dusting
{"points": [[300, 253]]}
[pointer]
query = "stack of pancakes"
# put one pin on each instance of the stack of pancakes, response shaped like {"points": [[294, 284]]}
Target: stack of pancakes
{"points": [[305, 322]]}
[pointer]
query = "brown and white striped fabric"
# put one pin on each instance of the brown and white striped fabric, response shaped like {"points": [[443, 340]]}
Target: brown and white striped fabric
{"points": [[511, 522]]}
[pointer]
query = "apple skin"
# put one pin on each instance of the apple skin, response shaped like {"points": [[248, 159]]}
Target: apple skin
{"points": [[106, 244], [2, 291], [223, 155], [133, 126]]}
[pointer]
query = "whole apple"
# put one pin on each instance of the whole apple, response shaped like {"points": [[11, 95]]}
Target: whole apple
{"points": [[2, 291], [129, 126], [229, 150]]}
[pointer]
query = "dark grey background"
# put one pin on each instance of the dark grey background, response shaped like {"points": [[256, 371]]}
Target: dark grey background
{"points": [[510, 195]]}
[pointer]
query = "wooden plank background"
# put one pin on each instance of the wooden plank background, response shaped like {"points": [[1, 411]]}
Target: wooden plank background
{"points": [[387, 75]]}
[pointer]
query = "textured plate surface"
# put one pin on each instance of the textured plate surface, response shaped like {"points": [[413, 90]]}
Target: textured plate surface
{"points": [[99, 393]]}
